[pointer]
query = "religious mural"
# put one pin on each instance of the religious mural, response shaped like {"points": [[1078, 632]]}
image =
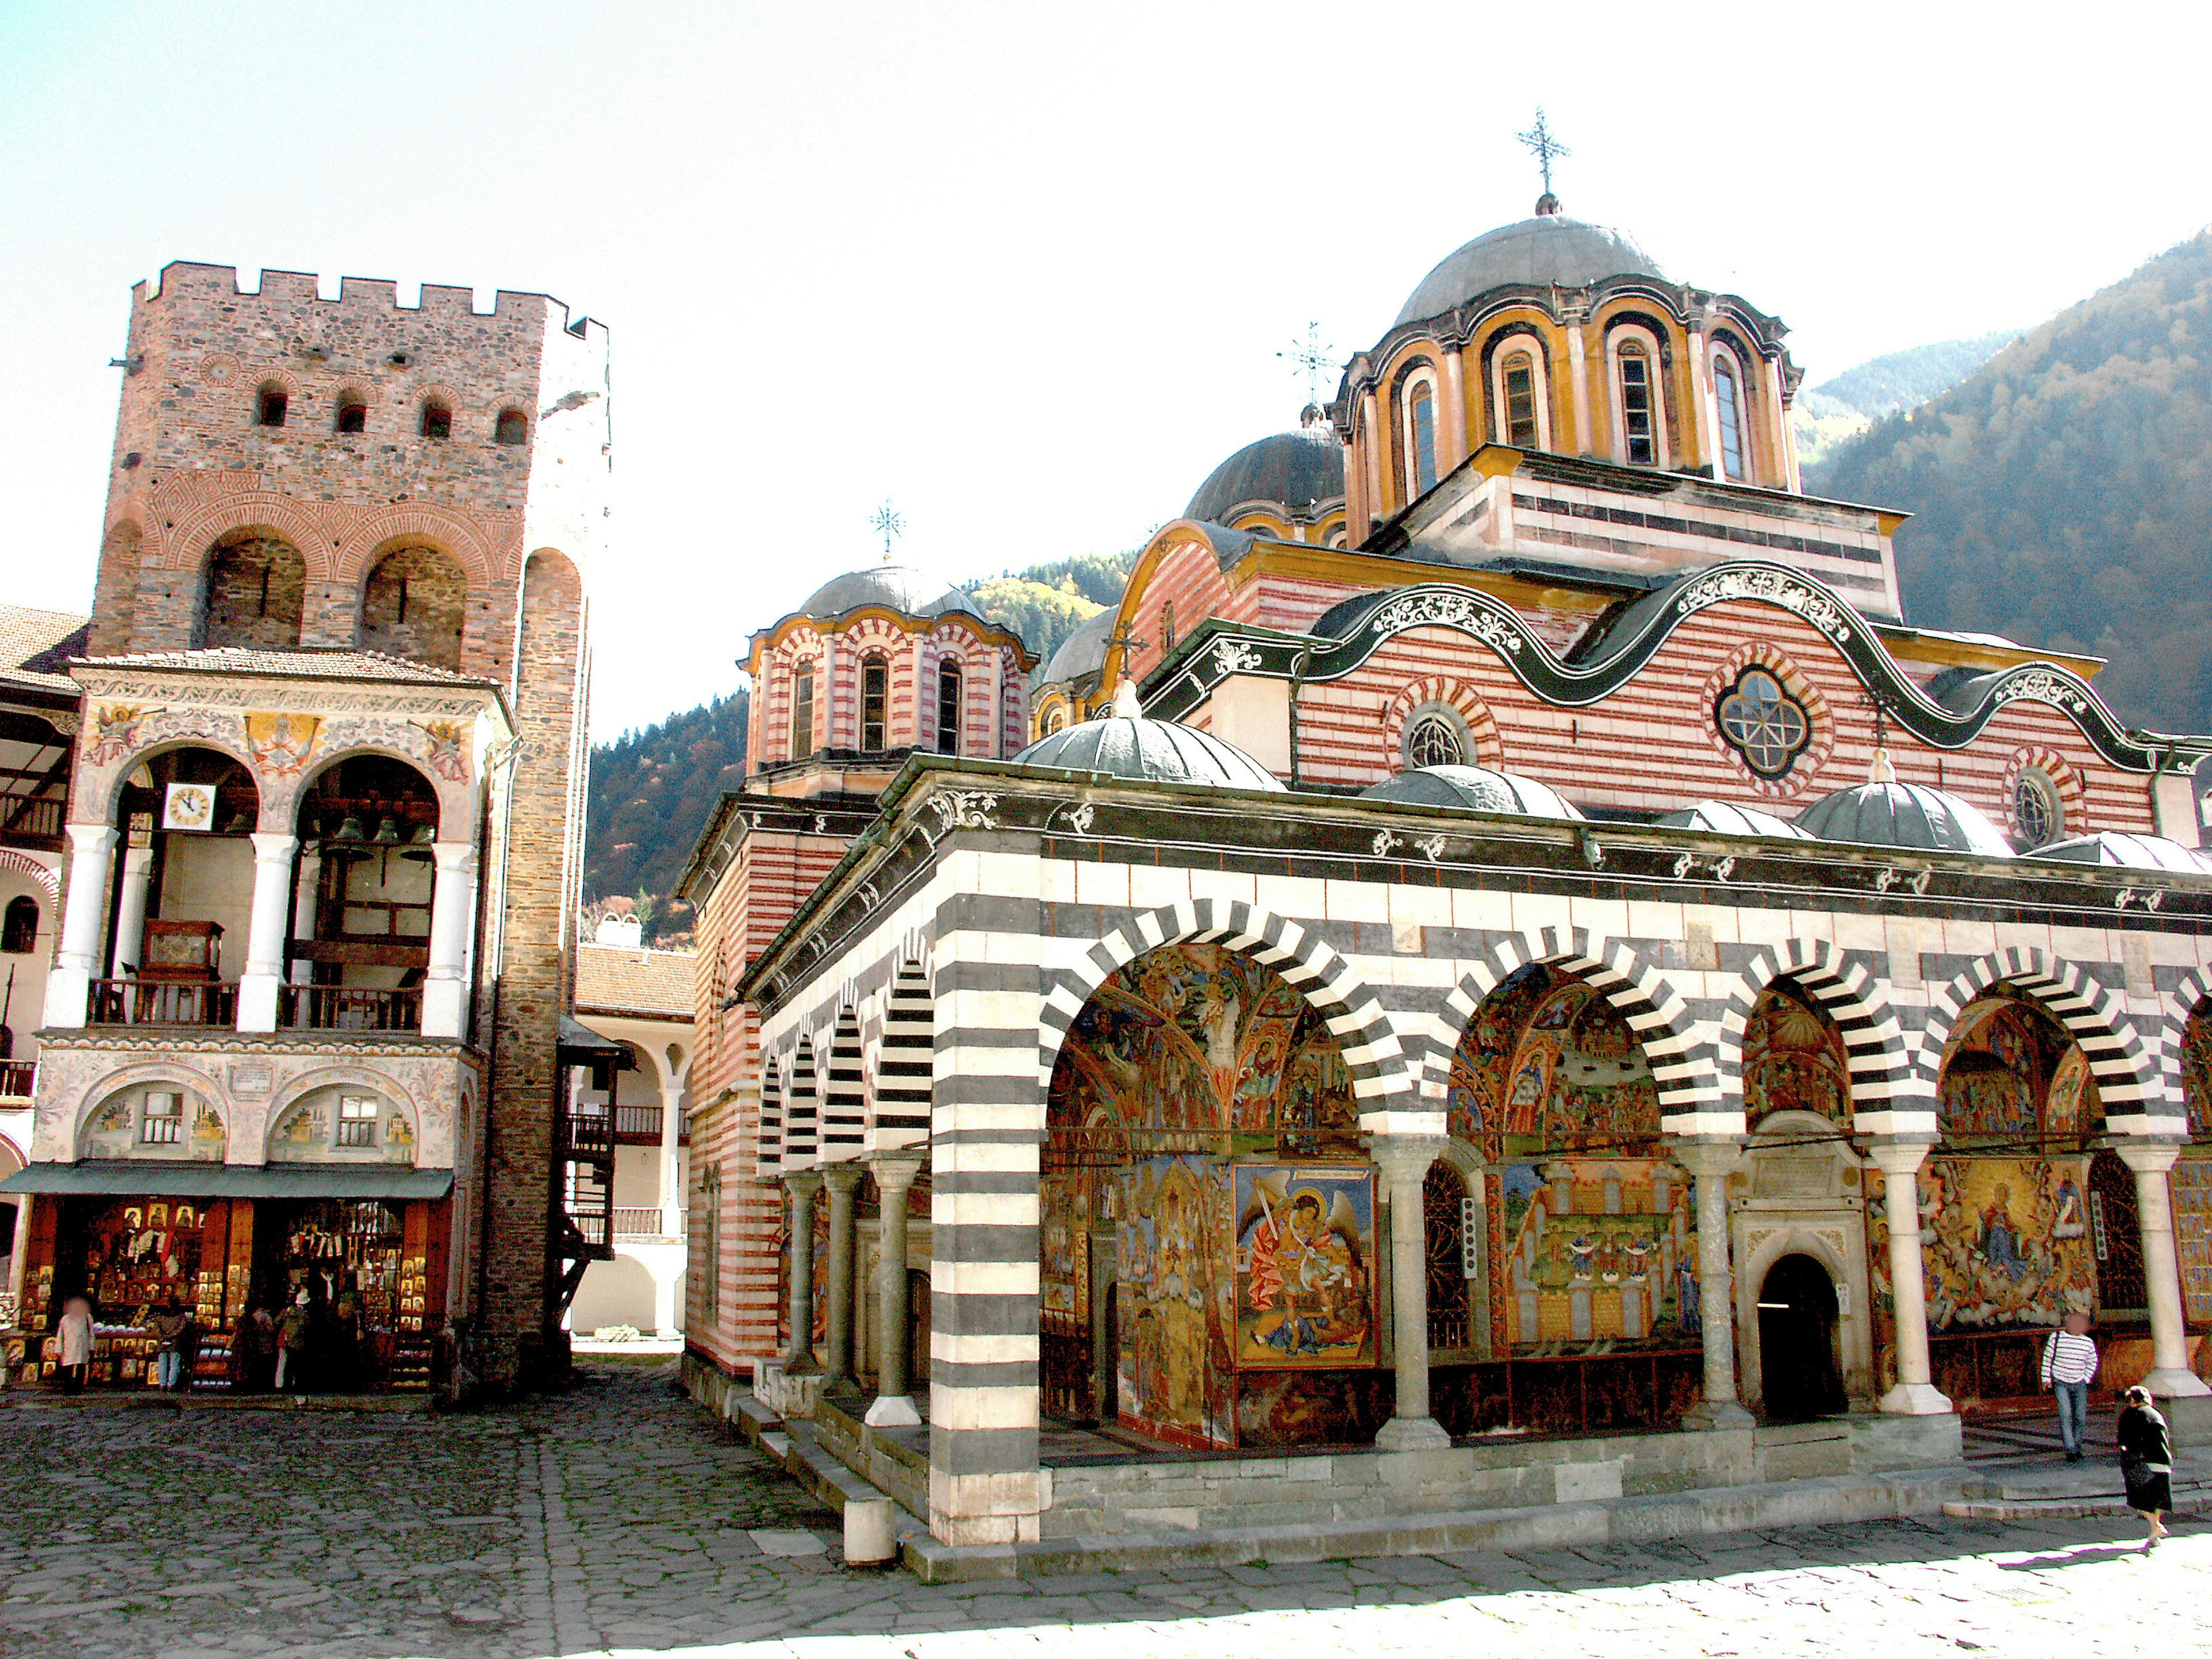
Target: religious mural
{"points": [[1794, 1059], [1548, 1064], [1305, 1251], [2190, 1184], [2004, 1241], [2012, 1073], [2196, 1072], [1598, 1253], [1184, 1063]]}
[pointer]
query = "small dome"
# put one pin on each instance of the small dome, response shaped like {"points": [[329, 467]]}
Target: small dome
{"points": [[1126, 744], [1083, 651], [1904, 815], [1295, 470], [1549, 248], [901, 586], [1472, 788], [1724, 817], [2112, 848]]}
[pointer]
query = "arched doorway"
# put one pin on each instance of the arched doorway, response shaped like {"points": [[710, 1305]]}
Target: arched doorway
{"points": [[1200, 1125], [359, 945], [1799, 1361]]}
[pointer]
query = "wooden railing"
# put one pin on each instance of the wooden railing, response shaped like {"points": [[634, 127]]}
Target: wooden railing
{"points": [[19, 1078], [138, 1002], [637, 1124], [639, 1223], [349, 1008], [586, 1134]]}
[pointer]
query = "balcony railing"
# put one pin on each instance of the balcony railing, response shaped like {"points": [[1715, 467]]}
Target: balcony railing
{"points": [[633, 1222], [640, 1126], [141, 1002], [586, 1133], [39, 819], [349, 1008], [19, 1078]]}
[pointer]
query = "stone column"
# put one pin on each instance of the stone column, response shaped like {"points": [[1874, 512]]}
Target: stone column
{"points": [[452, 908], [1104, 1362], [2170, 1376], [671, 1126], [1709, 1162], [1378, 503], [893, 1409], [1404, 1160], [69, 983], [130, 911], [1454, 411], [1915, 1394], [1578, 367], [842, 1179], [799, 1356], [265, 933], [17, 1262]]}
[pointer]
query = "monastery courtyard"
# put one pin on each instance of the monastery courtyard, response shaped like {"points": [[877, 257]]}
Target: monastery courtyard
{"points": [[616, 1518]]}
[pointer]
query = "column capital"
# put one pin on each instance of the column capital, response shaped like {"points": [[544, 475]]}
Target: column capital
{"points": [[844, 1176], [1405, 1159], [896, 1171], [269, 846], [1894, 1155], [2145, 1155], [1706, 1155], [91, 838], [806, 1183], [458, 856]]}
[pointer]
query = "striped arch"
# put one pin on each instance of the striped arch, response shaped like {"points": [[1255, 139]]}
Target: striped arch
{"points": [[802, 1108], [1690, 1095], [1354, 1017], [2091, 1013], [844, 1091], [768, 1161], [905, 1062], [1849, 993], [2187, 996]]}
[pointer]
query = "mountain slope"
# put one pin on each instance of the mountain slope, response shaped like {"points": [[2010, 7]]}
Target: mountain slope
{"points": [[2062, 493], [1827, 415], [650, 792]]}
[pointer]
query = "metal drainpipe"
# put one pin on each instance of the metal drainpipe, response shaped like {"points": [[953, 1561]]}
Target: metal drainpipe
{"points": [[1297, 679]]}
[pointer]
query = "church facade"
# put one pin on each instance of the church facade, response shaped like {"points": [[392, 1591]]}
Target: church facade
{"points": [[1539, 982]]}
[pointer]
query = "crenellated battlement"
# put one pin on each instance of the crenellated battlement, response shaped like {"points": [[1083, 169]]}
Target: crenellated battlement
{"points": [[301, 291]]}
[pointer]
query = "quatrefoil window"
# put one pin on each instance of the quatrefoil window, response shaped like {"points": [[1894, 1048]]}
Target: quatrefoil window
{"points": [[1763, 723]]}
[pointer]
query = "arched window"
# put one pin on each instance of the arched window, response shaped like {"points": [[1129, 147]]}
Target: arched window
{"points": [[352, 413], [1167, 626], [1436, 737], [1444, 1237], [1763, 723], [251, 593], [413, 605], [1727, 396], [1421, 436], [437, 420], [19, 934], [2037, 816], [802, 712], [512, 427], [1053, 721], [948, 708], [269, 406], [1517, 390], [1639, 421], [875, 694]]}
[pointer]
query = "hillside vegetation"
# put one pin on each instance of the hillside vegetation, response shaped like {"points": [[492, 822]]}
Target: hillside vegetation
{"points": [[2062, 492], [1827, 415]]}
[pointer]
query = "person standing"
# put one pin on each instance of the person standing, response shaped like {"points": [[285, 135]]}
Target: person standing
{"points": [[74, 1333], [293, 1333], [2145, 1461], [2069, 1366], [168, 1326]]}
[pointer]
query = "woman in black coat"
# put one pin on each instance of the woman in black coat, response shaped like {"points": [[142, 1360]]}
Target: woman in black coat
{"points": [[2145, 1461]]}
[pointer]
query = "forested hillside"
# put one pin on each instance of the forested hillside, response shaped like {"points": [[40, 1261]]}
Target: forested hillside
{"points": [[2062, 493], [650, 795], [1831, 414]]}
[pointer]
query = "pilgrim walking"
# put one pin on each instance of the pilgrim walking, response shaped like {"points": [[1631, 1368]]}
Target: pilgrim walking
{"points": [[2146, 1461]]}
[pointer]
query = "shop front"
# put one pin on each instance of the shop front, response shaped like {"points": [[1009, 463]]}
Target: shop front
{"points": [[340, 1271]]}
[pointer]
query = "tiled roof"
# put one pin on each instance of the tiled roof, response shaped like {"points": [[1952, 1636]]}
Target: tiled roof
{"points": [[305, 663], [616, 980], [33, 646]]}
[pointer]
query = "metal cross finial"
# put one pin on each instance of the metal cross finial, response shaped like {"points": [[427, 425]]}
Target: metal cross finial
{"points": [[1543, 146], [888, 521], [1311, 356], [1126, 641]]}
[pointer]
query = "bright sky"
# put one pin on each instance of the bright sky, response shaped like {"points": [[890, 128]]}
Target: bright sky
{"points": [[1021, 269]]}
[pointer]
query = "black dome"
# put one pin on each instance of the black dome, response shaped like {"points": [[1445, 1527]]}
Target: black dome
{"points": [[1476, 788], [901, 586], [1547, 249], [1297, 471], [1126, 744], [1904, 815]]}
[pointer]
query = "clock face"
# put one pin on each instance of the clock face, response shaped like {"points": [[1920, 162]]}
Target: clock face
{"points": [[189, 806]]}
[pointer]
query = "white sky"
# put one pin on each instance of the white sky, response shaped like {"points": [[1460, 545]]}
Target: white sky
{"points": [[1022, 268]]}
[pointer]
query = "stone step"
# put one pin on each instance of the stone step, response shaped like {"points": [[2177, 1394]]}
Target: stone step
{"points": [[871, 1517]]}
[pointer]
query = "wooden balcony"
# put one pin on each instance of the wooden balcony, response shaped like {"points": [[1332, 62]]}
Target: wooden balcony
{"points": [[19, 1079], [158, 1002], [348, 1008]]}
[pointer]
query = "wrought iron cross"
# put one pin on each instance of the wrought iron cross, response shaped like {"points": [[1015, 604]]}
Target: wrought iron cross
{"points": [[890, 523], [1311, 356], [1543, 147], [1127, 640]]}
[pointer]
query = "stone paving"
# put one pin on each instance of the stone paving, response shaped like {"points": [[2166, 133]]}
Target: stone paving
{"points": [[615, 1518]]}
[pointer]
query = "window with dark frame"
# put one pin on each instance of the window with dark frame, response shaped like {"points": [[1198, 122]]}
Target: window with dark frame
{"points": [[513, 427], [1763, 723], [1728, 393], [1422, 422], [802, 712], [948, 708], [19, 933], [2036, 812], [1435, 739], [875, 690], [1638, 425], [268, 410], [353, 415], [1519, 377], [437, 420]]}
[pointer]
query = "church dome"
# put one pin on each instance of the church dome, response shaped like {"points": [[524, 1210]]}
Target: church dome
{"points": [[2108, 846], [1083, 651], [1905, 815], [1472, 788], [1126, 744], [1549, 248], [1296, 470], [900, 587], [1725, 817]]}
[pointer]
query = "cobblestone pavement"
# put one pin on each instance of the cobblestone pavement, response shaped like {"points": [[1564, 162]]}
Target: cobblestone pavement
{"points": [[617, 1517]]}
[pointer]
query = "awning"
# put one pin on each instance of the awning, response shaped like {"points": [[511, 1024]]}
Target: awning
{"points": [[119, 1176]]}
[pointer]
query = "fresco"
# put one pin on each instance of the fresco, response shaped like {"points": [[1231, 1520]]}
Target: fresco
{"points": [[1578, 1078], [2003, 1068], [1065, 1260], [2196, 1071], [1598, 1252], [2190, 1184], [1175, 1296], [1794, 1059], [1305, 1262], [1475, 1094], [2004, 1241], [1308, 1409]]}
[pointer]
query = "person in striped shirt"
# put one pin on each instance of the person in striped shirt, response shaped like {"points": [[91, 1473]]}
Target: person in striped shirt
{"points": [[2069, 1366]]}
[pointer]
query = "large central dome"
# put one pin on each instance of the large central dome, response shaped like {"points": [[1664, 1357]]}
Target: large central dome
{"points": [[1296, 470], [900, 587], [1549, 248]]}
